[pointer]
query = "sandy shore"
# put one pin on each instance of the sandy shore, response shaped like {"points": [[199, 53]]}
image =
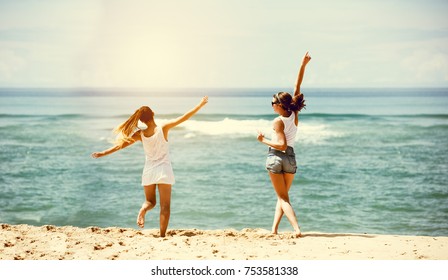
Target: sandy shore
{"points": [[24, 242]]}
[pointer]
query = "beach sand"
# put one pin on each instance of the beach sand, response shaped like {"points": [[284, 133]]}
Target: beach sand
{"points": [[24, 242]]}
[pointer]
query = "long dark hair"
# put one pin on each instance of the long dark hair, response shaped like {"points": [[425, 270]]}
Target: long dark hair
{"points": [[290, 103]]}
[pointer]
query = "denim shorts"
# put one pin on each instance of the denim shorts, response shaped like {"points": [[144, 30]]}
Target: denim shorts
{"points": [[279, 162]]}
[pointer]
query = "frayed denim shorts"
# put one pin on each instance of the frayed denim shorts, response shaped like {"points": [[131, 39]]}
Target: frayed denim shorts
{"points": [[279, 162]]}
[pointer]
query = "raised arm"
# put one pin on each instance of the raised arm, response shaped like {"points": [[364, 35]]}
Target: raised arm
{"points": [[306, 58], [166, 127]]}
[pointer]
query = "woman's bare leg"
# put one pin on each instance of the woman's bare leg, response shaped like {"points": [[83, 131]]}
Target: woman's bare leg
{"points": [[150, 195], [278, 181], [165, 207], [289, 178], [277, 217]]}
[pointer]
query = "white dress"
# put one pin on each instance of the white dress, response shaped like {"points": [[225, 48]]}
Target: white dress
{"points": [[158, 169]]}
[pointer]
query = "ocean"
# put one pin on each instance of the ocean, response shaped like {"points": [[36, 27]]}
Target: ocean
{"points": [[369, 160]]}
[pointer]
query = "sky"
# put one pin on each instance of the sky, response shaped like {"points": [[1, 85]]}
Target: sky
{"points": [[223, 43]]}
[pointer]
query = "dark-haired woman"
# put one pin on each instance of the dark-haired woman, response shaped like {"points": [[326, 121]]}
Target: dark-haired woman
{"points": [[281, 160], [157, 171]]}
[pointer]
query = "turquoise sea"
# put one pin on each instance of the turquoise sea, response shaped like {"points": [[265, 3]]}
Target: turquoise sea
{"points": [[370, 160]]}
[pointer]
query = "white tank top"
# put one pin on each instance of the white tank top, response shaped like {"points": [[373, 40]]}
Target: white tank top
{"points": [[156, 147], [290, 130]]}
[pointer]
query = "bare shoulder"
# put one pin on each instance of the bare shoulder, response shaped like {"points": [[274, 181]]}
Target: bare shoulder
{"points": [[137, 136], [170, 124], [166, 126], [277, 120], [278, 124]]}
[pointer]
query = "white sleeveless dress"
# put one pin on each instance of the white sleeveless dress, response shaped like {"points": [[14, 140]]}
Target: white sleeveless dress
{"points": [[158, 169]]}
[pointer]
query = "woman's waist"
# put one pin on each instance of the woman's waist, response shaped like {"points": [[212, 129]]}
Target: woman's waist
{"points": [[157, 159], [289, 151]]}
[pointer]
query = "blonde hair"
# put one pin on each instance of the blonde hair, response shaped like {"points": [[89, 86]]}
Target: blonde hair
{"points": [[127, 128]]}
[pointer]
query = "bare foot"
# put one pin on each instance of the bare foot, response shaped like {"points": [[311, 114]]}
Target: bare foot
{"points": [[146, 206], [141, 217]]}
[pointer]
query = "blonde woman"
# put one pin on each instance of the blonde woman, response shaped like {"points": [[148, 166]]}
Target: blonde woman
{"points": [[281, 159], [157, 171]]}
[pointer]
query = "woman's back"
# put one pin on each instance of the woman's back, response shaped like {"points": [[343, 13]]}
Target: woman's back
{"points": [[290, 129], [156, 147]]}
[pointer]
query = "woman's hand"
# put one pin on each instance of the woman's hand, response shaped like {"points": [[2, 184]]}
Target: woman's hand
{"points": [[306, 58], [204, 101], [97, 155]]}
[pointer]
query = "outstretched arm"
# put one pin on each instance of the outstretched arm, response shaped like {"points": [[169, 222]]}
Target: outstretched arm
{"points": [[135, 137], [306, 58], [184, 117]]}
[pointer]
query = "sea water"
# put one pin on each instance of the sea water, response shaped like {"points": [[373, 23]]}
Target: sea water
{"points": [[369, 160]]}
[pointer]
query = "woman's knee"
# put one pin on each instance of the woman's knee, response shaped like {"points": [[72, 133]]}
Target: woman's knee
{"points": [[165, 207], [283, 198], [149, 204]]}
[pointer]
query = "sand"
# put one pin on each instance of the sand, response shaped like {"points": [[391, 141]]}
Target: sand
{"points": [[24, 242]]}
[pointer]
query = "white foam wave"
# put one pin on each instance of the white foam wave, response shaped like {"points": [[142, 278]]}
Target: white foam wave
{"points": [[307, 132], [315, 133], [228, 127]]}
